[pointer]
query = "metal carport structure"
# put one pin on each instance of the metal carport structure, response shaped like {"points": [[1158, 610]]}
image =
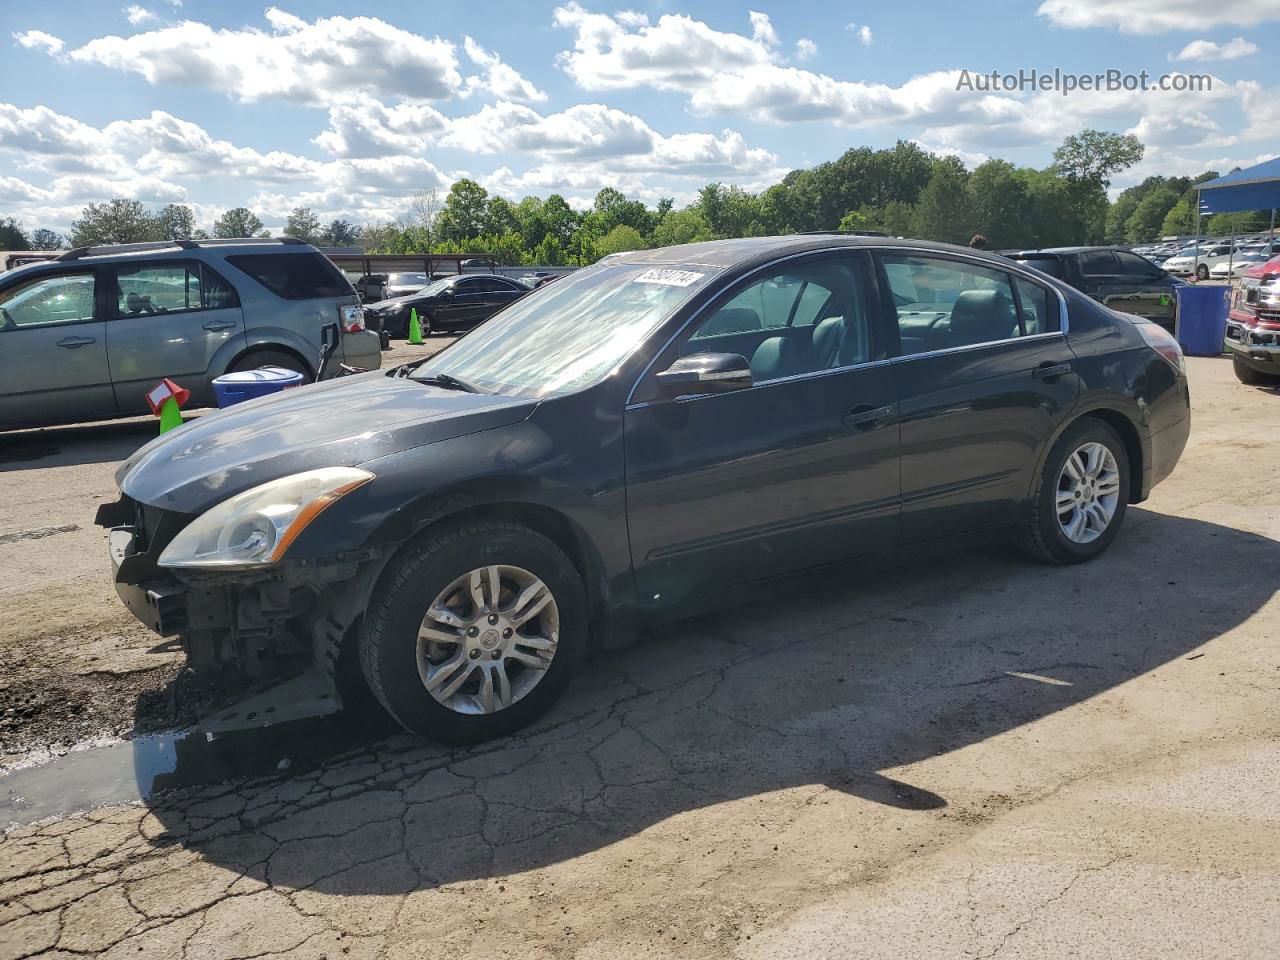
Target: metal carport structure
{"points": [[1253, 188]]}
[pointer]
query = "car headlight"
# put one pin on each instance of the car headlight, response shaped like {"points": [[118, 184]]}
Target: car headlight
{"points": [[255, 528]]}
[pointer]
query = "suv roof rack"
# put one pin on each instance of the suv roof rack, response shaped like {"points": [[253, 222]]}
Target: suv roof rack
{"points": [[113, 249]]}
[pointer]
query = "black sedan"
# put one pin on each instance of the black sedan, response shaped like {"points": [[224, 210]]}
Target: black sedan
{"points": [[459, 302], [630, 440]]}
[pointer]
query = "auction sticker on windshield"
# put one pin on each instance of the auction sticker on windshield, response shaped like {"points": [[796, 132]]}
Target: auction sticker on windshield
{"points": [[669, 278]]}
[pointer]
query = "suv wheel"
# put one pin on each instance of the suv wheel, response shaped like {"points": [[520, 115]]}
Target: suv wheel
{"points": [[473, 631], [271, 358], [1081, 497]]}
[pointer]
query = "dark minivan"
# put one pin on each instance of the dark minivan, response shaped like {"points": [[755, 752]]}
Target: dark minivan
{"points": [[637, 436], [1114, 276]]}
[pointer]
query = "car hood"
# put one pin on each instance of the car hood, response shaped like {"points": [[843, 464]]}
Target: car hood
{"points": [[337, 423]]}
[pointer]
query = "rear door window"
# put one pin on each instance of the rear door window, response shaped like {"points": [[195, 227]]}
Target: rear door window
{"points": [[1098, 263], [294, 276], [170, 287], [1039, 308], [1134, 266], [943, 304]]}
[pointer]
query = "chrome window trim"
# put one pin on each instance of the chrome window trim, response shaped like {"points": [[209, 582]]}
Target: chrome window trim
{"points": [[809, 375], [976, 346], [1010, 266]]}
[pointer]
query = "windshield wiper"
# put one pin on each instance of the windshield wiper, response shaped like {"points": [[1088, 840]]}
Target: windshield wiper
{"points": [[406, 368], [450, 382]]}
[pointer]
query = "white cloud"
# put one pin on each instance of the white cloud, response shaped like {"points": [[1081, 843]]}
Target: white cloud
{"points": [[806, 49], [761, 29], [39, 40], [169, 147], [310, 63], [584, 131], [499, 79], [136, 14], [863, 33], [44, 139], [1158, 16], [373, 129], [1208, 50], [614, 53]]}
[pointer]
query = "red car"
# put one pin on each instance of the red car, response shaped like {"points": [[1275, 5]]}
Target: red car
{"points": [[1253, 326]]}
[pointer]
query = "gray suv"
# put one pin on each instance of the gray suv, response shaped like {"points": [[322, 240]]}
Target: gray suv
{"points": [[85, 336]]}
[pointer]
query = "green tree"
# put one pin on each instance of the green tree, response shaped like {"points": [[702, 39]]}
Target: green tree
{"points": [[500, 217], [943, 211], [682, 226], [175, 222], [561, 219], [45, 239], [462, 217], [1094, 155], [303, 224], [380, 238], [998, 200], [237, 222], [116, 221], [1145, 222], [340, 233], [12, 236], [619, 240]]}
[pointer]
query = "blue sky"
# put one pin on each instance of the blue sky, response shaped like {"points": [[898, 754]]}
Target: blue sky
{"points": [[221, 104]]}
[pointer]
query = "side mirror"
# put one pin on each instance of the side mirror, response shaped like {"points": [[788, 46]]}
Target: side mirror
{"points": [[704, 373]]}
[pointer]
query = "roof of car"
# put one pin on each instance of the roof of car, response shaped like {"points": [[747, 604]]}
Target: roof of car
{"points": [[723, 254]]}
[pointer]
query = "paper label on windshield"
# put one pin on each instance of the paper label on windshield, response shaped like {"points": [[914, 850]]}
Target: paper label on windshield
{"points": [[670, 278]]}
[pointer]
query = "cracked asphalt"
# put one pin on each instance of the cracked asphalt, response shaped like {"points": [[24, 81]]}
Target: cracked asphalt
{"points": [[954, 755]]}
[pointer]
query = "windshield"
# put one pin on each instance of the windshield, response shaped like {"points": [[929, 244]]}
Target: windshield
{"points": [[444, 283], [407, 279], [569, 334]]}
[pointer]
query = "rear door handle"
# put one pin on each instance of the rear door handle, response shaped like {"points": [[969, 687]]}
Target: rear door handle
{"points": [[217, 326], [72, 342], [865, 415], [1051, 371]]}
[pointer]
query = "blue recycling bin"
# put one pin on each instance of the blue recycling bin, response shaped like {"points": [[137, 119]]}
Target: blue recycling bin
{"points": [[233, 388], [1202, 319]]}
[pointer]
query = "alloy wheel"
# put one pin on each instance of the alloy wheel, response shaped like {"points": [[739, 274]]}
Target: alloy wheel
{"points": [[487, 639], [1088, 492]]}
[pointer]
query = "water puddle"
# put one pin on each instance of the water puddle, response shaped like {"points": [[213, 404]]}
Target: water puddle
{"points": [[123, 771]]}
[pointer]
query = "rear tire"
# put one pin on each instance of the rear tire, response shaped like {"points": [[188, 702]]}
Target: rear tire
{"points": [[1254, 378], [271, 358], [392, 657], [1043, 536]]}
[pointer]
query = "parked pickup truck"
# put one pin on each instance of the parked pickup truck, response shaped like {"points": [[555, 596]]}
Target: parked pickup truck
{"points": [[1114, 276], [1253, 326]]}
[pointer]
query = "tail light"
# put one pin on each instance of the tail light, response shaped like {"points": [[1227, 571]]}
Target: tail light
{"points": [[351, 318], [1163, 342]]}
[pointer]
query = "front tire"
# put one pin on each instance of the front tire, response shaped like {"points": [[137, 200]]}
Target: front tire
{"points": [[1081, 498], [473, 631], [1254, 378]]}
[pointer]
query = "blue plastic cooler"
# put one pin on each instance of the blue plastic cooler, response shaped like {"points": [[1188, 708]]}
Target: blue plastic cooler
{"points": [[233, 388]]}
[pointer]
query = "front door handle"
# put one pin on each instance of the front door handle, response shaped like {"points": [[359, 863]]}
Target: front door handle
{"points": [[1051, 371], [865, 416], [72, 342], [217, 326]]}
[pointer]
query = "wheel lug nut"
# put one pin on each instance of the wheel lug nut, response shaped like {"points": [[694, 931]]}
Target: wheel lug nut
{"points": [[506, 634], [493, 618], [473, 631], [495, 655], [475, 653]]}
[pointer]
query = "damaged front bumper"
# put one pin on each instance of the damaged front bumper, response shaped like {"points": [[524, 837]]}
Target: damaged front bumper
{"points": [[277, 632]]}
